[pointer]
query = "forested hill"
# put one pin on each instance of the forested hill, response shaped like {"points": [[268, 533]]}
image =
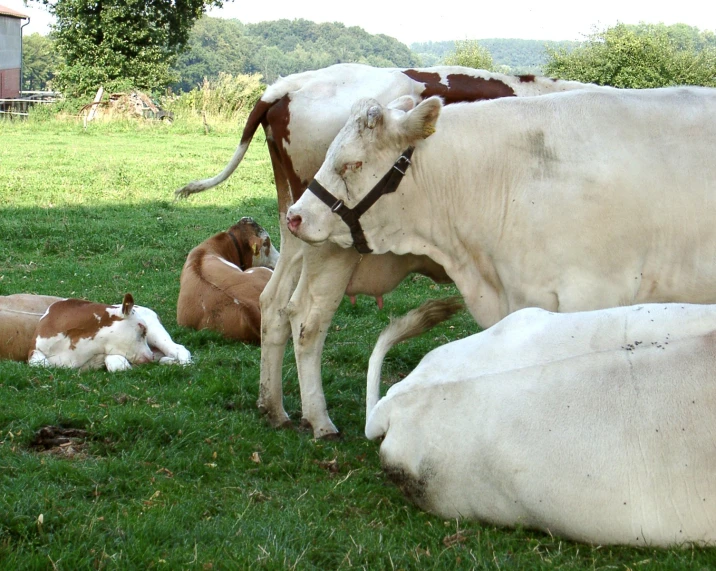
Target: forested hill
{"points": [[281, 47], [509, 55]]}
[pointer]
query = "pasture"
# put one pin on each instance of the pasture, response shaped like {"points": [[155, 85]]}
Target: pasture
{"points": [[176, 468]]}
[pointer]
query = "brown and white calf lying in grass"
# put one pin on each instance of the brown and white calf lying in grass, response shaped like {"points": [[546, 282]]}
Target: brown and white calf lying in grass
{"points": [[222, 280], [79, 334]]}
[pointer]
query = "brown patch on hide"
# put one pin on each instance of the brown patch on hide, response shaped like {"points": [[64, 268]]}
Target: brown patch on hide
{"points": [[75, 318], [279, 120], [527, 78], [460, 88]]}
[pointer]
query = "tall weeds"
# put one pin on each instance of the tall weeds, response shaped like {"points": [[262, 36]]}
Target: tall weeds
{"points": [[226, 99]]}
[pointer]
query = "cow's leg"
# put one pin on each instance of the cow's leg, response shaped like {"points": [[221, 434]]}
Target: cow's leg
{"points": [[116, 363], [276, 328], [38, 359], [325, 274]]}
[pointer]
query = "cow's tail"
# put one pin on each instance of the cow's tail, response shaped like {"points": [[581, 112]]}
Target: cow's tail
{"points": [[257, 115], [413, 323]]}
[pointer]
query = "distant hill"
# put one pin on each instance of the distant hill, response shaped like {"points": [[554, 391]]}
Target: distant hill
{"points": [[280, 48], [509, 55]]}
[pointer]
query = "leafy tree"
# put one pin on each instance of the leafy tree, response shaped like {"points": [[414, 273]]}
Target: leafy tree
{"points": [[470, 53], [215, 46], [638, 57], [118, 43], [280, 48], [39, 61]]}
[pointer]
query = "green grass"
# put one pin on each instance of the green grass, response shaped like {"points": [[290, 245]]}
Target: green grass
{"points": [[180, 470]]}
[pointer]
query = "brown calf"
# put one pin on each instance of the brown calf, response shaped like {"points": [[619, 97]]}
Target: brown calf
{"points": [[222, 280]]}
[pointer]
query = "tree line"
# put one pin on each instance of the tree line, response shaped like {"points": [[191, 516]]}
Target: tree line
{"points": [[146, 46]]}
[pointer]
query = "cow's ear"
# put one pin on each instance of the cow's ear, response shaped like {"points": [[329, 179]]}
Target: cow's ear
{"points": [[374, 116], [127, 304], [420, 122], [405, 103]]}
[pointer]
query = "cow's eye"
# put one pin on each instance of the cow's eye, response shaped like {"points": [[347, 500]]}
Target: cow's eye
{"points": [[350, 167], [142, 329]]}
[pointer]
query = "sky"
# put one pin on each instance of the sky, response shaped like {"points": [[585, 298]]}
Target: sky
{"points": [[523, 19]]}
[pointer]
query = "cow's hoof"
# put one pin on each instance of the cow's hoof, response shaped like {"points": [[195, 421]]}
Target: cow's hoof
{"points": [[327, 433], [276, 420], [330, 437]]}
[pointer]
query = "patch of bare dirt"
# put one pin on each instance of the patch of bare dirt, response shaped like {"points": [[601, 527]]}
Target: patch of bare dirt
{"points": [[63, 442]]}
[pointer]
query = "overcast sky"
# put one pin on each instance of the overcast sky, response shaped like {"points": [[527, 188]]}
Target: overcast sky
{"points": [[549, 20]]}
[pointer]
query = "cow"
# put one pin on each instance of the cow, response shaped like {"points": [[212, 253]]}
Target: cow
{"points": [[595, 426], [301, 114], [19, 315], [572, 201], [75, 333], [222, 280]]}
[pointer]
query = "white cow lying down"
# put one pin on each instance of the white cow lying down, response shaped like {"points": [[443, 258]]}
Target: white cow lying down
{"points": [[596, 426], [75, 333]]}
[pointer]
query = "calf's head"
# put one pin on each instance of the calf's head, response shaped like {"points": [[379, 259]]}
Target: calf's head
{"points": [[363, 155], [253, 244]]}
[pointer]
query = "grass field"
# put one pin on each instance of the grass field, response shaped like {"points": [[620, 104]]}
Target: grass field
{"points": [[179, 470]]}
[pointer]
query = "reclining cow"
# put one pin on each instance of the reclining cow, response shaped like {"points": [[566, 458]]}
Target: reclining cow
{"points": [[301, 114], [569, 202], [596, 426], [75, 333], [222, 280]]}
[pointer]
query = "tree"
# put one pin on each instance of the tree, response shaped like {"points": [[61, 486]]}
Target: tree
{"points": [[470, 53], [215, 46], [639, 57], [120, 43], [39, 61]]}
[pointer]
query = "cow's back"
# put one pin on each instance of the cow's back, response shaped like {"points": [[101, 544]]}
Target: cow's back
{"points": [[19, 315], [578, 200], [607, 446], [215, 294]]}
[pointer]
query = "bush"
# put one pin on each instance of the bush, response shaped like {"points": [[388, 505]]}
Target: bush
{"points": [[470, 54], [636, 57]]}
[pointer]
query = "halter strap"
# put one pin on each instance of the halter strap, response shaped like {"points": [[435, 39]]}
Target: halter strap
{"points": [[351, 216]]}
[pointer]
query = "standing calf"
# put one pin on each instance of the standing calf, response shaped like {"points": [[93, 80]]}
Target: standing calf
{"points": [[222, 280], [596, 426]]}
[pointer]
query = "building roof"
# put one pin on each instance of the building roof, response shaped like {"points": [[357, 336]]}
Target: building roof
{"points": [[5, 11]]}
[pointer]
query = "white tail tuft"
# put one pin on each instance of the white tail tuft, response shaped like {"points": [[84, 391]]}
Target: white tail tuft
{"points": [[412, 324]]}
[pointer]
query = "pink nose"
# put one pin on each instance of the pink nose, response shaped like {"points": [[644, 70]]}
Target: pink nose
{"points": [[293, 221]]}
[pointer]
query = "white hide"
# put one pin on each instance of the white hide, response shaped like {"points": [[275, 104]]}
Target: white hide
{"points": [[595, 426], [158, 338], [571, 201]]}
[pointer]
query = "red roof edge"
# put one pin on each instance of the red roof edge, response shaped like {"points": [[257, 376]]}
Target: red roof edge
{"points": [[5, 11]]}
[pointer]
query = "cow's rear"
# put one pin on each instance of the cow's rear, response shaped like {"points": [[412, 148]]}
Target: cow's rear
{"points": [[19, 315]]}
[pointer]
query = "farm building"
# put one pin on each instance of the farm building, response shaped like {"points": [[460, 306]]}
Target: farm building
{"points": [[10, 51]]}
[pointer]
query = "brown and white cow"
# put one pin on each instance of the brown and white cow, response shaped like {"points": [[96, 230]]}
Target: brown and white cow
{"points": [[301, 114], [569, 202], [222, 280], [75, 333], [596, 426]]}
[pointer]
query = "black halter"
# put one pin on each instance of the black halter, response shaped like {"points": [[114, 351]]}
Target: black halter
{"points": [[389, 183]]}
